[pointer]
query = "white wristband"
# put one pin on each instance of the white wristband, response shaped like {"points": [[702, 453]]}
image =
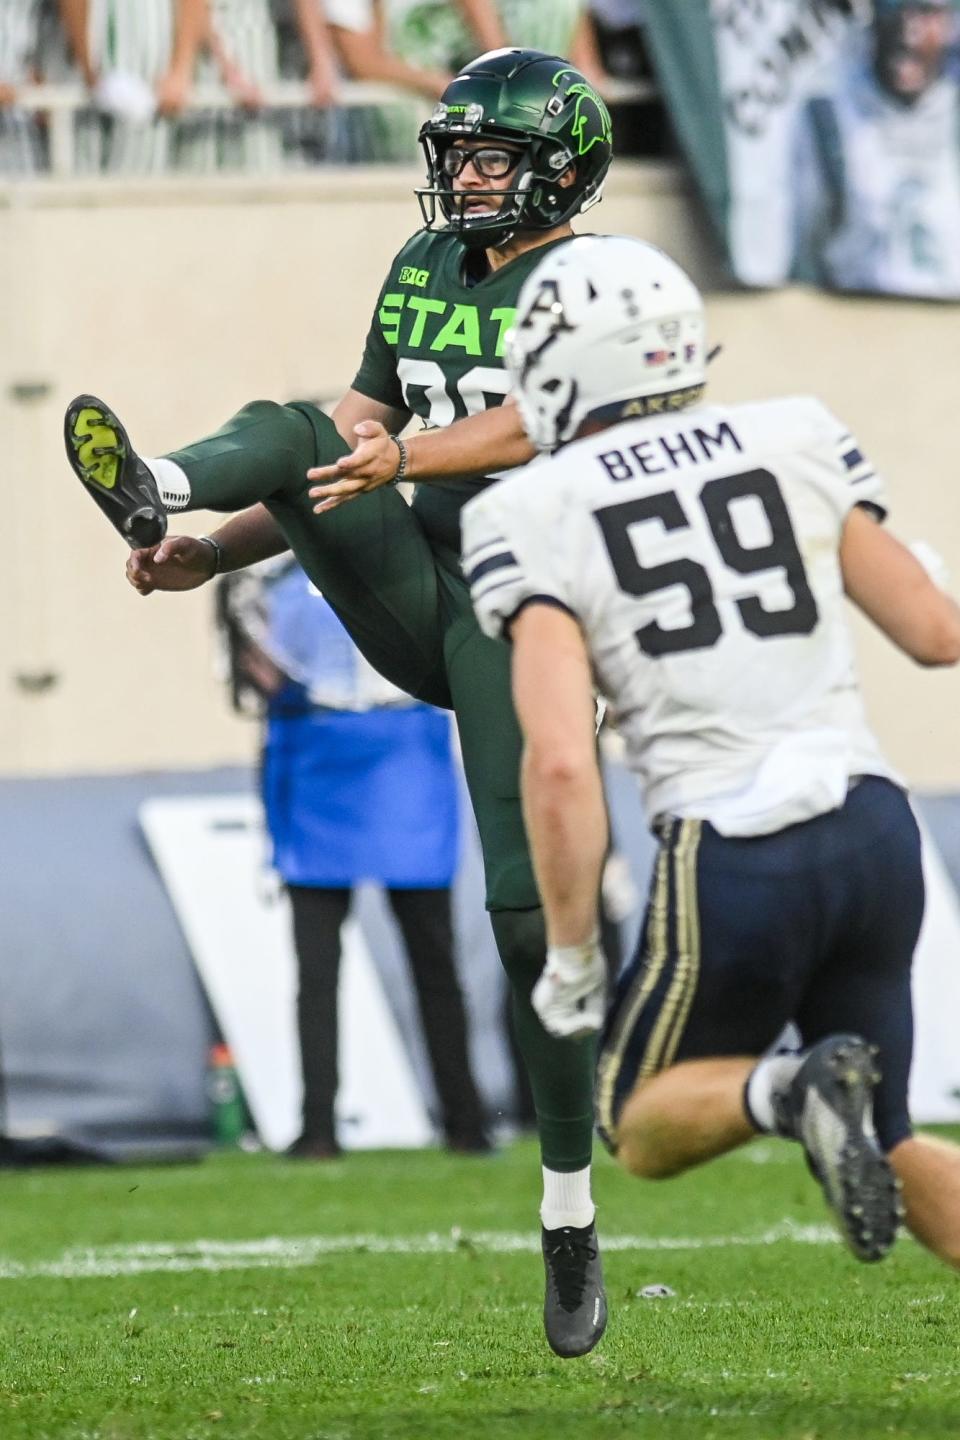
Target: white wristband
{"points": [[571, 957], [933, 562]]}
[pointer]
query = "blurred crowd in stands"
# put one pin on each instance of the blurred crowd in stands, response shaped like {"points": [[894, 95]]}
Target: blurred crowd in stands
{"points": [[202, 86]]}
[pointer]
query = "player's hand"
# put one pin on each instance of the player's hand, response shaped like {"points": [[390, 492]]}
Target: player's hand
{"points": [[570, 996], [373, 463], [180, 562]]}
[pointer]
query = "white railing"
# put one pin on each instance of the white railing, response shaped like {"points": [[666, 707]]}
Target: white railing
{"points": [[60, 104]]}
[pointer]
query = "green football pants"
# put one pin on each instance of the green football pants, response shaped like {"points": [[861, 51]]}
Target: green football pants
{"points": [[406, 605]]}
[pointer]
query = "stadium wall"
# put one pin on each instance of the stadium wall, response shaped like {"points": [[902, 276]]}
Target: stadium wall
{"points": [[104, 1023], [179, 301]]}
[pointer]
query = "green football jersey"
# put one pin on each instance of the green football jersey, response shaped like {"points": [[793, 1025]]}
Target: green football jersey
{"points": [[435, 348]]}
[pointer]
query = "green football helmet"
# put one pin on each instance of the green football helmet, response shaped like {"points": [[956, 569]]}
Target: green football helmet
{"points": [[533, 101]]}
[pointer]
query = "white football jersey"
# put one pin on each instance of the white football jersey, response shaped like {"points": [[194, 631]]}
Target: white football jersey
{"points": [[699, 552]]}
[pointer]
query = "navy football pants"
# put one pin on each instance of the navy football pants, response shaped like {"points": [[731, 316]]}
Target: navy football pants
{"points": [[815, 924]]}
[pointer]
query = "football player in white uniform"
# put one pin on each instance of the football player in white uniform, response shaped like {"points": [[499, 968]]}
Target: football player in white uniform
{"points": [[691, 562]]}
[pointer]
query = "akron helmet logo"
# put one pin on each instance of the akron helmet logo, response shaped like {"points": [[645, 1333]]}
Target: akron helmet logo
{"points": [[591, 118]]}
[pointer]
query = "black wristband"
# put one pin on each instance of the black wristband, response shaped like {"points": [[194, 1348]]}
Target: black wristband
{"points": [[217, 549], [402, 466]]}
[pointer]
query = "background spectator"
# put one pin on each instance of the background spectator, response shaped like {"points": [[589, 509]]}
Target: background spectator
{"points": [[371, 36], [358, 784], [244, 57], [560, 27], [142, 58], [318, 50], [242, 54], [421, 44], [139, 59], [877, 164], [619, 29], [365, 34], [21, 150], [641, 126]]}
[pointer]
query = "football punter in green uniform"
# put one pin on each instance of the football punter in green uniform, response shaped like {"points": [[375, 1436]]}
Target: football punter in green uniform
{"points": [[518, 144]]}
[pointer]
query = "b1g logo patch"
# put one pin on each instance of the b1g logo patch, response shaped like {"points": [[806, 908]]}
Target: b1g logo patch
{"points": [[409, 275]]}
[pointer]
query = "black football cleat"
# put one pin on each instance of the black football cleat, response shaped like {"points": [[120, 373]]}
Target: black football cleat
{"points": [[313, 1147], [828, 1107], [574, 1306], [100, 453], [469, 1142]]}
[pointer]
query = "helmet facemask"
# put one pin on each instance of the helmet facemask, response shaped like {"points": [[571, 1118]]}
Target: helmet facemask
{"points": [[534, 200], [539, 105]]}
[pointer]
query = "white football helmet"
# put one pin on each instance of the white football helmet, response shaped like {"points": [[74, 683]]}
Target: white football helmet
{"points": [[609, 327]]}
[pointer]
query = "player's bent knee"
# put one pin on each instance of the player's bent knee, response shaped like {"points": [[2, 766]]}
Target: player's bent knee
{"points": [[264, 410], [285, 419]]}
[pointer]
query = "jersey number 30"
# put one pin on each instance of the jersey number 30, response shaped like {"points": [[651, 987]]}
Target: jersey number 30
{"points": [[450, 398], [705, 628]]}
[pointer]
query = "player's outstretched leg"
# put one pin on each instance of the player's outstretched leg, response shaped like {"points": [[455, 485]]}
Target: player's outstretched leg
{"points": [[100, 454], [828, 1107], [575, 1304]]}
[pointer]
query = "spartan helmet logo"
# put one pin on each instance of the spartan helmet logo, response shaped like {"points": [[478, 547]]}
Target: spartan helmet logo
{"points": [[591, 118]]}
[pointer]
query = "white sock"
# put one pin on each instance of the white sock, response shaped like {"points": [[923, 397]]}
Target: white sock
{"points": [[566, 1199], [770, 1076], [171, 481]]}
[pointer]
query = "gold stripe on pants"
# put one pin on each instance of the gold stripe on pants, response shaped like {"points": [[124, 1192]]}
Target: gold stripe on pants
{"points": [[664, 1041]]}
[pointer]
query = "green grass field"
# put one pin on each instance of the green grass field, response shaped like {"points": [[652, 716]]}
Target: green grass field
{"points": [[397, 1297]]}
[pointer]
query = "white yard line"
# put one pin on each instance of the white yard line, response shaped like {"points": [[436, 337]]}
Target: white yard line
{"points": [[291, 1253]]}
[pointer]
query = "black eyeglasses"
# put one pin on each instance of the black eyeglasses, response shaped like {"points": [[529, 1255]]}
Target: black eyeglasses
{"points": [[490, 162]]}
